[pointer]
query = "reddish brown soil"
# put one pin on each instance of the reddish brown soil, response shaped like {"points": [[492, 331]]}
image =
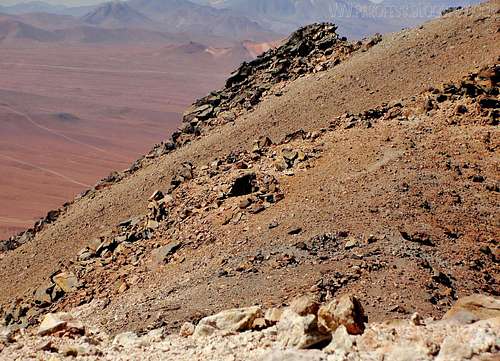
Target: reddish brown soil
{"points": [[69, 115]]}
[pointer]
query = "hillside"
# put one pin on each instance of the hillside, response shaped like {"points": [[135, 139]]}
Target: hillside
{"points": [[322, 167]]}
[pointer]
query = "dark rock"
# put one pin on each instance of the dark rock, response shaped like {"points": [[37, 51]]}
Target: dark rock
{"points": [[243, 185], [294, 231]]}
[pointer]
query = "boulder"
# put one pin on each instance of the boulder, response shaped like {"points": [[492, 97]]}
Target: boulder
{"points": [[42, 295], [346, 311], [62, 321], [235, 320], [67, 281], [304, 305], [474, 308], [341, 343], [273, 315], [295, 331]]}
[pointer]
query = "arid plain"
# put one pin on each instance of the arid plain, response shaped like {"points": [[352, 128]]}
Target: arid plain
{"points": [[71, 113]]}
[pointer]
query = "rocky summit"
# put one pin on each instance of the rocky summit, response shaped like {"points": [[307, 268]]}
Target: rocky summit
{"points": [[336, 200]]}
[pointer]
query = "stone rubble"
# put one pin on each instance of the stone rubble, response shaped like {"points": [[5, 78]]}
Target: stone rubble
{"points": [[232, 337]]}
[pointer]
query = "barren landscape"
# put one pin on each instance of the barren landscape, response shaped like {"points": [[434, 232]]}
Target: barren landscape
{"points": [[332, 200], [69, 115]]}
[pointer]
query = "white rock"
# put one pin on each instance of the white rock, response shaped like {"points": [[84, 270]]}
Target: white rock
{"points": [[235, 320], [127, 340], [295, 331]]}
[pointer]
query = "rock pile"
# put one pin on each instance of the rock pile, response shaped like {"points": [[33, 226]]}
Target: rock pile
{"points": [[305, 330], [310, 49]]}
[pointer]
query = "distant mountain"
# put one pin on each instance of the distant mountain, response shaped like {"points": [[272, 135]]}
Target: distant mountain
{"points": [[19, 29], [188, 17], [12, 30], [355, 18], [99, 35], [47, 21], [33, 7], [117, 14]]}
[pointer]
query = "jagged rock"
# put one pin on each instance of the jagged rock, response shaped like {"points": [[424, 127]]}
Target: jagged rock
{"points": [[304, 305], [474, 308], [261, 144], [346, 311], [235, 320], [295, 331], [42, 295], [55, 322], [66, 281]]}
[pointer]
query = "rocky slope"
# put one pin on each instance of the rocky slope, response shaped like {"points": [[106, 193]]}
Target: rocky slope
{"points": [[366, 168]]}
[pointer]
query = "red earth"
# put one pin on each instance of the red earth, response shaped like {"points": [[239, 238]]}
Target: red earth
{"points": [[70, 114]]}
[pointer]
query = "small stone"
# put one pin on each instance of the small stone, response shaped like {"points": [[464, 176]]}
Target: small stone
{"points": [[294, 355], [74, 350], [289, 155], [294, 230], [42, 294], [156, 196], [162, 255], [46, 346], [51, 323], [416, 319], [259, 324], [123, 287], [6, 335], [281, 165], [352, 243], [273, 224], [152, 224], [187, 329]]}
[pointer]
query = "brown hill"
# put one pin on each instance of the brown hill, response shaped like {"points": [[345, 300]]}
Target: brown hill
{"points": [[395, 203]]}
